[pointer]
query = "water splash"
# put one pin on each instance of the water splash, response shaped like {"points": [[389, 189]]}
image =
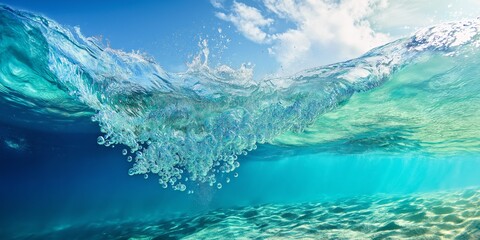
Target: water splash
{"points": [[194, 124]]}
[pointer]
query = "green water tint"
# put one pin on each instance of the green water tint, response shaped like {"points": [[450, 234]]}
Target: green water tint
{"points": [[431, 105], [26, 81], [194, 125], [449, 215]]}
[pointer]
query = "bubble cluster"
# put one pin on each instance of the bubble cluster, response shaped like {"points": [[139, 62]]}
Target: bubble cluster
{"points": [[199, 123]]}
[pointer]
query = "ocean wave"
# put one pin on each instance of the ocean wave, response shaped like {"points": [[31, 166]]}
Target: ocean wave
{"points": [[430, 105], [192, 126]]}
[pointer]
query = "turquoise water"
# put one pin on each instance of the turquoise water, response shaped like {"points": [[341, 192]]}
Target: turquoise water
{"points": [[102, 144], [446, 215]]}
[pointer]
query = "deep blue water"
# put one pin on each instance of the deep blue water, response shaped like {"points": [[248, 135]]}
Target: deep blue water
{"points": [[62, 179]]}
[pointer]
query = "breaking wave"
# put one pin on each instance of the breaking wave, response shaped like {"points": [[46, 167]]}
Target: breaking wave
{"points": [[192, 126]]}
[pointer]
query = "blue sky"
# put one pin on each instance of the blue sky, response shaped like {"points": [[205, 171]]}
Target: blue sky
{"points": [[277, 36], [168, 30]]}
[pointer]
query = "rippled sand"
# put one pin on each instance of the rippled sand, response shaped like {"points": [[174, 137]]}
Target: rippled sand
{"points": [[440, 215]]}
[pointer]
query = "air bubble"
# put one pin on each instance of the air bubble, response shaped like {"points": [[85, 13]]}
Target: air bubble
{"points": [[155, 169], [124, 152], [227, 180], [145, 176], [219, 186], [100, 140], [139, 158], [235, 175], [129, 158]]}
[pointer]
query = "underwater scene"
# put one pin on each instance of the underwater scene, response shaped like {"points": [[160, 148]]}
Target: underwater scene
{"points": [[272, 119]]}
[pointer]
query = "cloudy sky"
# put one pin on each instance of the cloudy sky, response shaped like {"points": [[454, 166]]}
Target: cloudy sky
{"points": [[276, 36], [305, 33]]}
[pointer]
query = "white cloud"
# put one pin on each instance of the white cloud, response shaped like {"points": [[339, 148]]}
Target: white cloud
{"points": [[323, 31], [339, 29], [248, 20], [402, 17], [217, 3], [318, 32]]}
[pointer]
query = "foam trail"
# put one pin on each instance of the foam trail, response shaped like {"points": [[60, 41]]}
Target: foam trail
{"points": [[188, 126]]}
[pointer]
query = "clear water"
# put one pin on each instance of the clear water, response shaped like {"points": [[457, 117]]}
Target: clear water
{"points": [[102, 144]]}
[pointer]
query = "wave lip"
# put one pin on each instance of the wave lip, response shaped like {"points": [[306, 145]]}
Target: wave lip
{"points": [[188, 126], [429, 105]]}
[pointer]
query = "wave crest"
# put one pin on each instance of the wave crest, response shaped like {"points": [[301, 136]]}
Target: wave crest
{"points": [[188, 126]]}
